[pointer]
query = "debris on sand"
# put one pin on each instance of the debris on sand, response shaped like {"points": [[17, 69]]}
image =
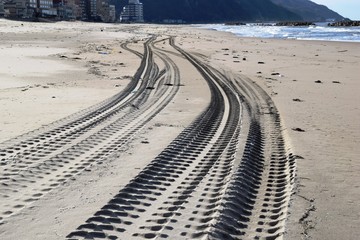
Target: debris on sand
{"points": [[298, 130]]}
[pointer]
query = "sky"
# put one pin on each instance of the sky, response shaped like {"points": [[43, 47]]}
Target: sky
{"points": [[347, 8]]}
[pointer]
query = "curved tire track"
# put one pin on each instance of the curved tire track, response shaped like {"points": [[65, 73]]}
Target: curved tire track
{"points": [[228, 175], [209, 182], [60, 165]]}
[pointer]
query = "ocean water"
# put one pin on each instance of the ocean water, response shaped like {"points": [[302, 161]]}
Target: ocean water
{"points": [[318, 32]]}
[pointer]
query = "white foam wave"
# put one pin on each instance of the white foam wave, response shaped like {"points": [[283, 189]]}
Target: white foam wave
{"points": [[304, 33]]}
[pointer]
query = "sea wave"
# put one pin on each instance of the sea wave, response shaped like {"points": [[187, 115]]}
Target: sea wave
{"points": [[322, 32]]}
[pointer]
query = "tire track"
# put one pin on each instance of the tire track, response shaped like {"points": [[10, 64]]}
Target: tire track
{"points": [[229, 175], [39, 178], [180, 162], [75, 125]]}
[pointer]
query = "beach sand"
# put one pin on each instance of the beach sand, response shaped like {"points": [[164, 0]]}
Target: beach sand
{"points": [[51, 71], [325, 205]]}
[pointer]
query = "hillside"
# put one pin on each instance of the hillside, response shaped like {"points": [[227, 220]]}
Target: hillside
{"points": [[309, 10], [209, 11], [204, 11]]}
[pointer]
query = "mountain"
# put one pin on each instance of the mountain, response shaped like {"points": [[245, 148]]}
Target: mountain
{"points": [[308, 10], [210, 11], [206, 11]]}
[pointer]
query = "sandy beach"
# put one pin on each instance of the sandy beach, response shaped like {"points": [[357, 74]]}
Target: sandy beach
{"points": [[155, 131]]}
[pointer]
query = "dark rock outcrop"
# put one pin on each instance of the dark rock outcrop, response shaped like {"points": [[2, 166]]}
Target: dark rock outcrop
{"points": [[295, 24], [235, 23], [345, 24]]}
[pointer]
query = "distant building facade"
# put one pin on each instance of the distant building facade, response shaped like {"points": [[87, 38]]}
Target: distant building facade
{"points": [[68, 9], [29, 8], [112, 13], [91, 10], [133, 12], [2, 9], [17, 8], [46, 8], [103, 10]]}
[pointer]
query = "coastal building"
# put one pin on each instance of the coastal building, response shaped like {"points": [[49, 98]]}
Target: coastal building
{"points": [[103, 10], [2, 10], [75, 5], [29, 8], [64, 9], [112, 13], [89, 10], [17, 9], [72, 9], [92, 9], [133, 12], [45, 8]]}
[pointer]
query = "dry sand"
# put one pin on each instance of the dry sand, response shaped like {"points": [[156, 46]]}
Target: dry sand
{"points": [[50, 71], [326, 203]]}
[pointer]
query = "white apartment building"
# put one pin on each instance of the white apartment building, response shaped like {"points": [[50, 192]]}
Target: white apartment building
{"points": [[133, 12], [32, 3], [47, 8]]}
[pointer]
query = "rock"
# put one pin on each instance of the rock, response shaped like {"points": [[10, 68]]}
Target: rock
{"points": [[345, 24], [261, 63], [298, 130], [318, 81], [235, 24], [294, 24]]}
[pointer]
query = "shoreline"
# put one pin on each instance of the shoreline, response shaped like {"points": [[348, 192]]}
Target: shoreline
{"points": [[288, 70], [296, 35]]}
